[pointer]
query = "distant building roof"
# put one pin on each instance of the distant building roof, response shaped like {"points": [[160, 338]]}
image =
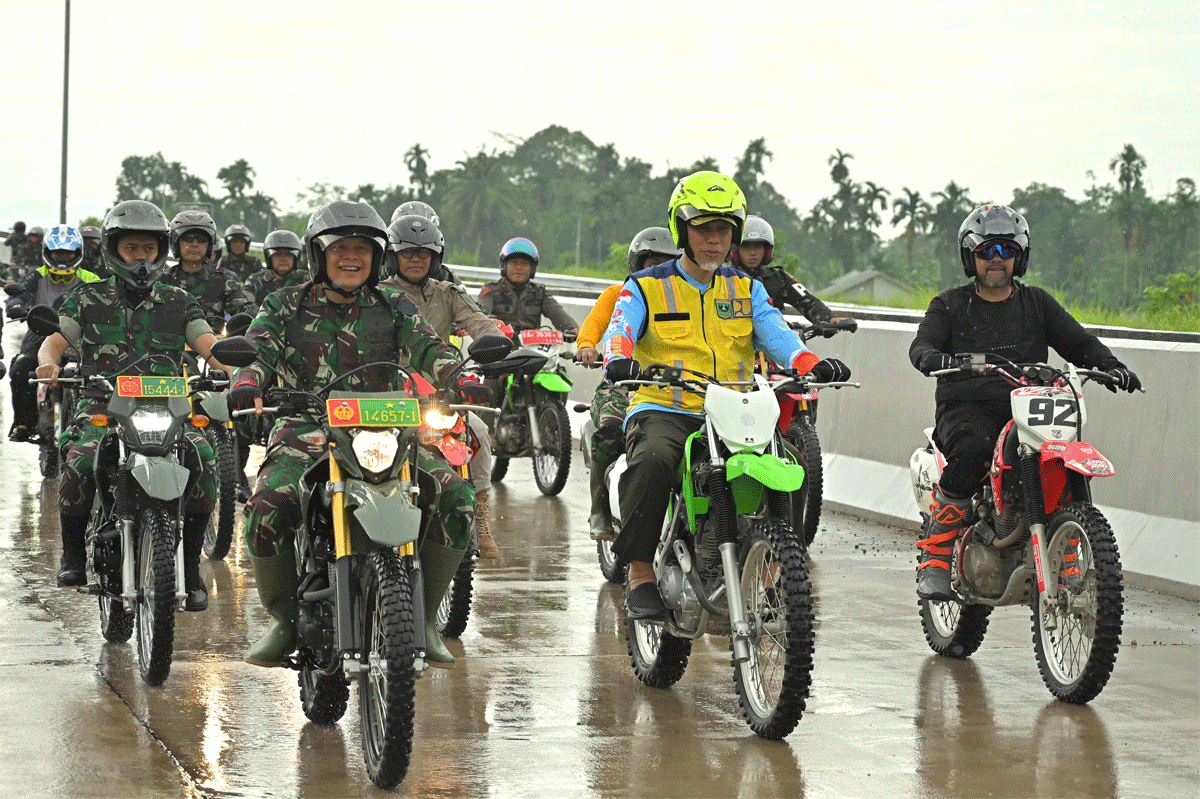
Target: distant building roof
{"points": [[871, 279]]}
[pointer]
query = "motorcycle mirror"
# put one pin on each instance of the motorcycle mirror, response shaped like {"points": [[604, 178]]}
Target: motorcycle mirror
{"points": [[43, 320], [490, 348], [13, 289], [237, 324], [235, 351]]}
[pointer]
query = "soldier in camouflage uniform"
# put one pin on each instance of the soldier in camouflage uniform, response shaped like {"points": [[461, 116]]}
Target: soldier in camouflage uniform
{"points": [[439, 271], [310, 334], [192, 234], [116, 322], [650, 247], [515, 299], [281, 249], [238, 258], [93, 260], [418, 246], [753, 256], [27, 254]]}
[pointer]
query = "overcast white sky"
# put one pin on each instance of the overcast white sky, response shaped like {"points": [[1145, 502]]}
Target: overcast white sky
{"points": [[994, 96]]}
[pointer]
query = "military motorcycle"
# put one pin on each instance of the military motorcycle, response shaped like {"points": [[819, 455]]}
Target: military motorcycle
{"points": [[1032, 536], [135, 531], [533, 420], [361, 616], [728, 561]]}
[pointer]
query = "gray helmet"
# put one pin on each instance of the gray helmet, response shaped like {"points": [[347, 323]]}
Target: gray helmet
{"points": [[186, 221], [281, 241], [413, 230], [418, 208], [989, 223], [651, 241], [135, 216], [339, 220], [36, 230], [90, 233], [218, 249], [238, 230], [758, 231]]}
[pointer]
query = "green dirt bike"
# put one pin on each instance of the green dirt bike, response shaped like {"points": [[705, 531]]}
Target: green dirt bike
{"points": [[728, 561]]}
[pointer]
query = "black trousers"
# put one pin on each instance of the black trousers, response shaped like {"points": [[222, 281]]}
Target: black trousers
{"points": [[654, 443], [966, 434]]}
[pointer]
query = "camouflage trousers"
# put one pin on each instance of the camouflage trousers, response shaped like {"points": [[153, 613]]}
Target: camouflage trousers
{"points": [[608, 414], [274, 510], [77, 486]]}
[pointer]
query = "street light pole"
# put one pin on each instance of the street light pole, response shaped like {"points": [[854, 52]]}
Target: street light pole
{"points": [[62, 192]]}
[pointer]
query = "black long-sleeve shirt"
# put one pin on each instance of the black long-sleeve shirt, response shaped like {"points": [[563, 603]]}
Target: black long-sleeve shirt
{"points": [[1021, 328]]}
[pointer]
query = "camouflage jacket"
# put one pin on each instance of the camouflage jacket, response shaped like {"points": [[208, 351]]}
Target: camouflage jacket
{"points": [[26, 255], [783, 289], [113, 332], [447, 307], [93, 261], [265, 282], [523, 307], [244, 265], [309, 340], [219, 295]]}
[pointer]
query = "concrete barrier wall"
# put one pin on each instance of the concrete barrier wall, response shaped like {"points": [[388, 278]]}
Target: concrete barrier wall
{"points": [[1153, 439]]}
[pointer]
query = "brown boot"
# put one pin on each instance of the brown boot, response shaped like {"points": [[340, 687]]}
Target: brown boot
{"points": [[483, 509]]}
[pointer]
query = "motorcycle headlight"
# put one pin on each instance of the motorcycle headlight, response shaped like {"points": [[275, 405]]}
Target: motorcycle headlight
{"points": [[436, 419], [151, 423], [376, 449]]}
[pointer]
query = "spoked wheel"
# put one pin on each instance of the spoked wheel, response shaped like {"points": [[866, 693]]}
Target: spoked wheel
{"points": [[773, 685], [387, 690], [156, 541], [552, 463], [499, 469], [658, 658], [806, 514], [48, 455], [455, 610], [952, 629], [323, 697], [1076, 639], [219, 534], [116, 623], [612, 567]]}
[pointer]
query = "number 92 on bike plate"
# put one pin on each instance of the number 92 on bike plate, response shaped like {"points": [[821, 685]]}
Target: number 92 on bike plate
{"points": [[373, 412]]}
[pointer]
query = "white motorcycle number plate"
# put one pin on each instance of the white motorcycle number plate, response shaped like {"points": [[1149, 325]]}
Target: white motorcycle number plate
{"points": [[1044, 413]]}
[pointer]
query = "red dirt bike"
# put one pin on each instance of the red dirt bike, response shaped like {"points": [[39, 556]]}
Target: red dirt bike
{"points": [[1033, 536]]}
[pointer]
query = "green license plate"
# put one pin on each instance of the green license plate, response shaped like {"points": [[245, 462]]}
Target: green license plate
{"points": [[369, 412], [147, 386]]}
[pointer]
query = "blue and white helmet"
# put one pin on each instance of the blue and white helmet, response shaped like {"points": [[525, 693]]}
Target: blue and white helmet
{"points": [[62, 237], [518, 246]]}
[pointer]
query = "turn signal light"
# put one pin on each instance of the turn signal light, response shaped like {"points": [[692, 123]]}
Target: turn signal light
{"points": [[199, 421], [99, 420]]}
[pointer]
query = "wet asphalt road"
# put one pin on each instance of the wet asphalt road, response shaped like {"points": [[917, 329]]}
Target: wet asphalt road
{"points": [[543, 702]]}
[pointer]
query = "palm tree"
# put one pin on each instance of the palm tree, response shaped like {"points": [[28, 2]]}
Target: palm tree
{"points": [[953, 203], [751, 165], [480, 196], [914, 212], [1128, 165], [237, 177], [840, 171], [417, 161]]}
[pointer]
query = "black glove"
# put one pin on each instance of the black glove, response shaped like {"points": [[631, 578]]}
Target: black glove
{"points": [[472, 391], [936, 362], [242, 395], [1123, 379], [17, 311], [830, 370], [620, 369]]}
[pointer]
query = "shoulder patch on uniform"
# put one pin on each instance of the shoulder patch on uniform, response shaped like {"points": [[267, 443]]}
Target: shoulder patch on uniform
{"points": [[486, 290]]}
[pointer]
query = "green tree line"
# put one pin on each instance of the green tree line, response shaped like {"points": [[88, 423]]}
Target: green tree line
{"points": [[1115, 248]]}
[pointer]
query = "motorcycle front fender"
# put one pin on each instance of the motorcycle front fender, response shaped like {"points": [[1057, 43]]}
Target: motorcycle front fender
{"points": [[553, 382], [769, 470], [214, 405], [159, 476], [383, 512]]}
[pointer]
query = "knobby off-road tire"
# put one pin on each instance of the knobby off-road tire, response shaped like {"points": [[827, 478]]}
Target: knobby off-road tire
{"points": [[455, 609], [774, 684], [806, 516], [218, 536], [552, 464], [1077, 657], [157, 539], [387, 690], [323, 697], [612, 567], [952, 629]]}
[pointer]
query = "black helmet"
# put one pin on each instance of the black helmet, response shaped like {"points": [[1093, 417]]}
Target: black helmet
{"points": [[185, 221], [281, 241], [339, 220], [651, 241], [90, 233], [237, 230], [758, 231], [135, 216], [18, 228], [418, 208], [413, 230], [989, 223]]}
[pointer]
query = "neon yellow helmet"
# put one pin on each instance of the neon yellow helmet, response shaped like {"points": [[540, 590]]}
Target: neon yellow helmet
{"points": [[701, 197]]}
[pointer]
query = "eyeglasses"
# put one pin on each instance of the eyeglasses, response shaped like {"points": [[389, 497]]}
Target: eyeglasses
{"points": [[194, 237], [416, 254], [990, 250]]}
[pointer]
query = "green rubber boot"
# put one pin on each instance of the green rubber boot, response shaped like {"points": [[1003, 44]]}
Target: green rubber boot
{"points": [[439, 564], [277, 583]]}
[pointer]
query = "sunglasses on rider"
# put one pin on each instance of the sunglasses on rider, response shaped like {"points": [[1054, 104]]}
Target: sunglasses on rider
{"points": [[416, 254], [195, 237], [990, 250]]}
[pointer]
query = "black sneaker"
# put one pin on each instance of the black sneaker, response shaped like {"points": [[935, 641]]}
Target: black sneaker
{"points": [[19, 433], [645, 603], [71, 575]]}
